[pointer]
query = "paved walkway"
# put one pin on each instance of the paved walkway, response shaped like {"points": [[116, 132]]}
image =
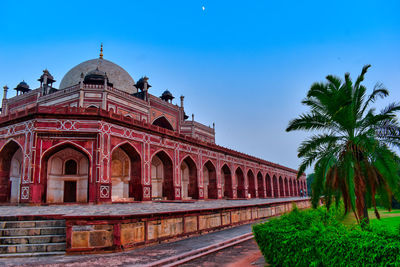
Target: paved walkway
{"points": [[140, 256], [132, 208]]}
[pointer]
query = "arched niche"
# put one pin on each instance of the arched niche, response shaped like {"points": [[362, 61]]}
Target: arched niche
{"points": [[11, 162], [163, 122], [190, 189], [226, 182], [281, 187], [67, 176], [120, 175], [252, 184], [126, 173], [162, 176], [260, 185], [241, 191], [210, 181], [268, 185]]}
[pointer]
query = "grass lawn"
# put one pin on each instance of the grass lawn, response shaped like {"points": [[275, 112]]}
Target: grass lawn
{"points": [[390, 219]]}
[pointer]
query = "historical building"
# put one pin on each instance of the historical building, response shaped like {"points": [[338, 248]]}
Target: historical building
{"points": [[103, 137]]}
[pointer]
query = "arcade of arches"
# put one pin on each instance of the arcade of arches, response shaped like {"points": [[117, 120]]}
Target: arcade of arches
{"points": [[67, 171]]}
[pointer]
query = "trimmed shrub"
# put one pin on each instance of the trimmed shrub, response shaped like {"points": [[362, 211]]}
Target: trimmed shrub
{"points": [[317, 238]]}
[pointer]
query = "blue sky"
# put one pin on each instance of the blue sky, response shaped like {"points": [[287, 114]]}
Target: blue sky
{"points": [[244, 65]]}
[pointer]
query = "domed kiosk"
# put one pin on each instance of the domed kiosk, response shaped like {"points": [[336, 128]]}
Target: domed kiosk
{"points": [[116, 75]]}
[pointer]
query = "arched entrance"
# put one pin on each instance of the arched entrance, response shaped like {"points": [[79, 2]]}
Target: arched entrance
{"points": [[162, 186], [226, 181], [126, 173], [66, 175], [252, 184], [276, 186], [290, 187], [260, 185], [190, 189], [281, 188], [241, 192], [268, 184], [11, 162], [120, 175], [164, 123], [210, 181]]}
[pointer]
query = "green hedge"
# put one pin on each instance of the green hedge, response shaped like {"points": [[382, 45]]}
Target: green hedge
{"points": [[317, 238]]}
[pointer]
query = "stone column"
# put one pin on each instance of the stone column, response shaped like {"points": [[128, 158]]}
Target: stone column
{"points": [[4, 104]]}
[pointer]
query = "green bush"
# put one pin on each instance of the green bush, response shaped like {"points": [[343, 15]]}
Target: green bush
{"points": [[317, 238]]}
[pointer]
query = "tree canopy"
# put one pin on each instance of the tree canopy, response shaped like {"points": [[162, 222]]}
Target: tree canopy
{"points": [[352, 148]]}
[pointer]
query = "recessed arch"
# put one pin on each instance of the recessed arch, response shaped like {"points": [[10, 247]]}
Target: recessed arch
{"points": [[260, 185], [126, 172], [251, 183], [162, 176], [190, 189], [63, 183], [70, 167], [63, 145], [226, 181], [281, 187], [275, 183], [163, 122], [268, 185], [11, 162], [241, 191], [290, 187], [92, 107], [210, 180]]}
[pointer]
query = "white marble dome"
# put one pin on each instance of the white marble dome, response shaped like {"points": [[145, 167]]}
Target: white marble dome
{"points": [[116, 75]]}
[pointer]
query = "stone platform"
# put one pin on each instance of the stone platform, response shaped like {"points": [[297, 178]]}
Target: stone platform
{"points": [[118, 227], [134, 208]]}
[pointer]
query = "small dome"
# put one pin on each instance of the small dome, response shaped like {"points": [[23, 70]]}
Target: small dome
{"points": [[49, 76], [22, 87], [95, 77], [166, 95], [115, 74], [143, 83]]}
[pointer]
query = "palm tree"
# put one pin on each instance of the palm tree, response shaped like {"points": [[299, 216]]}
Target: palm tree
{"points": [[353, 147]]}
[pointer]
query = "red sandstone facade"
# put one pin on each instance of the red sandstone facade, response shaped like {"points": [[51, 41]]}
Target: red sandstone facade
{"points": [[92, 142]]}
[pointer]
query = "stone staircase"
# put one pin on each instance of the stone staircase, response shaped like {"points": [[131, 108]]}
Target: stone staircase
{"points": [[32, 238]]}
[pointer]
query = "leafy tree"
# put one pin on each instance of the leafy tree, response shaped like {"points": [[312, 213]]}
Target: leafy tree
{"points": [[353, 147]]}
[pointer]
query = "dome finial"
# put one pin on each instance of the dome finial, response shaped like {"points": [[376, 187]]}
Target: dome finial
{"points": [[101, 51]]}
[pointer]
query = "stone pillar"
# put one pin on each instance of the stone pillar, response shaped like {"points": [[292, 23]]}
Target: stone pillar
{"points": [[200, 182], [219, 178], [278, 194], [4, 104]]}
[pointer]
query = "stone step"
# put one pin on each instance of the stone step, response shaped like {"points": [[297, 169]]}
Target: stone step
{"points": [[34, 254], [30, 248], [31, 224], [32, 231], [37, 239]]}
